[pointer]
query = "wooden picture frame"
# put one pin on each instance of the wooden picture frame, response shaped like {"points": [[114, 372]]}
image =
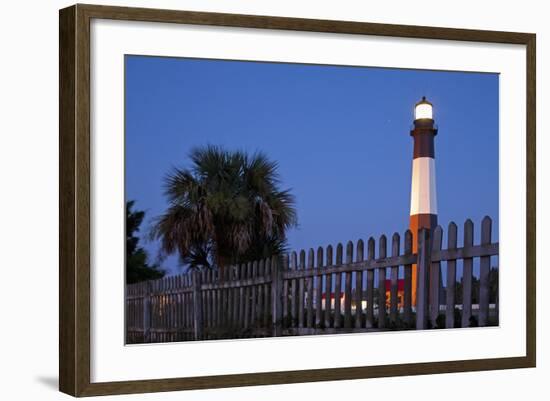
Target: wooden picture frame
{"points": [[74, 203]]}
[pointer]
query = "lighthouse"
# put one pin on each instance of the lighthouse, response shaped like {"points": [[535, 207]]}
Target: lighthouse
{"points": [[423, 188]]}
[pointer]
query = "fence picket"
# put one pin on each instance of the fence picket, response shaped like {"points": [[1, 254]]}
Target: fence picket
{"points": [[497, 313], [286, 294], [253, 292], [423, 266], [170, 313], [157, 313], [301, 290], [451, 279], [163, 303], [370, 287], [467, 275], [294, 290], [186, 327], [177, 315], [359, 286], [276, 274], [319, 289], [212, 300], [435, 277], [147, 310], [231, 316], [155, 318], [309, 289], [182, 326], [261, 295], [484, 268], [382, 284], [240, 273], [236, 317], [227, 299], [162, 298], [172, 310], [197, 306], [190, 319], [407, 284], [394, 289], [338, 289], [328, 290], [347, 288], [267, 293], [247, 290]]}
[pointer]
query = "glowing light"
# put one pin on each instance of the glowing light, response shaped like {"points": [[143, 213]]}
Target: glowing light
{"points": [[423, 109]]}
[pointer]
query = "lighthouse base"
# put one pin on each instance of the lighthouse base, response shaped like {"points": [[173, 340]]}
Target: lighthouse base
{"points": [[417, 222], [421, 220]]}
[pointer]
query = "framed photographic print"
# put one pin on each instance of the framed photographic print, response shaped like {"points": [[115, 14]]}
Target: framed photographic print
{"points": [[305, 200]]}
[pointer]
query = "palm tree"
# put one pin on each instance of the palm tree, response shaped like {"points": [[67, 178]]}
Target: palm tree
{"points": [[226, 209]]}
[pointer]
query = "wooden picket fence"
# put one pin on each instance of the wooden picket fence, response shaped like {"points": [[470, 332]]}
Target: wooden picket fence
{"points": [[300, 294]]}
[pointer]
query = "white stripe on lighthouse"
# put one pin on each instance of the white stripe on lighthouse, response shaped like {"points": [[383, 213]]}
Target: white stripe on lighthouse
{"points": [[423, 191]]}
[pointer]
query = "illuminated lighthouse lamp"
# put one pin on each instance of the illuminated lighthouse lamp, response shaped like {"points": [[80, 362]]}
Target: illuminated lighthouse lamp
{"points": [[423, 110]]}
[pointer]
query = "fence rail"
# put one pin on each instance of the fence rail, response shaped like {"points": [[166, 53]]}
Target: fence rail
{"points": [[325, 291]]}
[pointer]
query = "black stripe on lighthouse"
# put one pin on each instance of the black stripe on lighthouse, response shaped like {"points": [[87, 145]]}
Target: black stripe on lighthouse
{"points": [[424, 145]]}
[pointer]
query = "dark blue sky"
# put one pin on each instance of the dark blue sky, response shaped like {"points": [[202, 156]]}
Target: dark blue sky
{"points": [[340, 136]]}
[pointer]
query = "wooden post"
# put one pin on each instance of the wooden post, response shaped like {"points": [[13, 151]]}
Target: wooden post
{"points": [[451, 280], [435, 277], [276, 300], [467, 275], [484, 268], [423, 266], [407, 290], [197, 305], [147, 312], [394, 289], [370, 286], [382, 284]]}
